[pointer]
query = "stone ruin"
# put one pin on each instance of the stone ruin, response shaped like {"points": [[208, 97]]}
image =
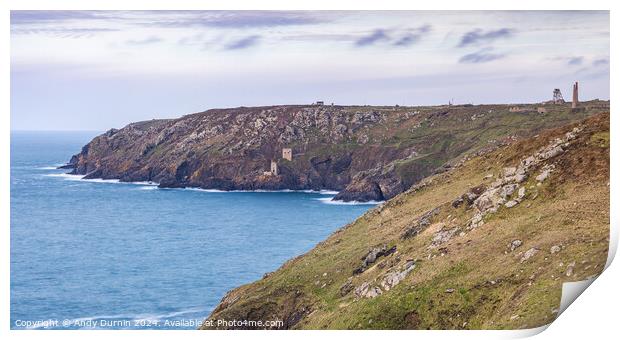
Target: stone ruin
{"points": [[287, 153]]}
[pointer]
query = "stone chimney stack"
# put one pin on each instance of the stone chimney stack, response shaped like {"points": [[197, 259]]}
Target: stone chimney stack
{"points": [[575, 95]]}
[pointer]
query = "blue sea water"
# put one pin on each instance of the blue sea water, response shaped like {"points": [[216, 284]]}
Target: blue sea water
{"points": [[105, 255]]}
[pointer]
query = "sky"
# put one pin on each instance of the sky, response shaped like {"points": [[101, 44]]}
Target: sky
{"points": [[95, 70]]}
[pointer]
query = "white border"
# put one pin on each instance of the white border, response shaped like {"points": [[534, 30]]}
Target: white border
{"points": [[594, 314]]}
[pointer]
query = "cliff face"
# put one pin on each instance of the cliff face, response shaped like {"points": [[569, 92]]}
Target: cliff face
{"points": [[484, 245], [366, 153]]}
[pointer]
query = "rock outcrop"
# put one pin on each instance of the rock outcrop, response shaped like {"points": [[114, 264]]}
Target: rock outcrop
{"points": [[366, 153]]}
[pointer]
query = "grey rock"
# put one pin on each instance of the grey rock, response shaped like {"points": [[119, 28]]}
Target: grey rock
{"points": [[529, 254], [570, 268], [392, 278], [511, 203], [367, 291], [515, 244]]}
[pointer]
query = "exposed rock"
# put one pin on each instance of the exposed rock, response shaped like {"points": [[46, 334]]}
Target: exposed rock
{"points": [[507, 190], [511, 203], [515, 244], [570, 268], [443, 236], [543, 175], [521, 193], [372, 256], [367, 291], [529, 254], [552, 153], [420, 224], [347, 287], [511, 171], [555, 249], [392, 278], [450, 290]]}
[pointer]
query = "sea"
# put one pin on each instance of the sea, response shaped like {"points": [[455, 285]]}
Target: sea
{"points": [[101, 254]]}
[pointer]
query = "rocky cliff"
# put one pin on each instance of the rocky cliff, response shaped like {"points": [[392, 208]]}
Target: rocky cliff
{"points": [[365, 153], [485, 244]]}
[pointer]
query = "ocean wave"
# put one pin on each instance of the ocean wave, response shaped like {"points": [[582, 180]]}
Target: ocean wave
{"points": [[148, 187], [47, 168], [328, 200], [71, 177], [154, 185], [320, 192]]}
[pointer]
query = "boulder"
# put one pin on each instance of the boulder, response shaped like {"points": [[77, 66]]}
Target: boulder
{"points": [[529, 254], [367, 291], [511, 204], [515, 244], [543, 175], [392, 278]]}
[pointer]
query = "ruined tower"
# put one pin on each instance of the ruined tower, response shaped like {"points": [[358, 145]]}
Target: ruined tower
{"points": [[274, 168], [287, 153], [575, 95], [557, 97]]}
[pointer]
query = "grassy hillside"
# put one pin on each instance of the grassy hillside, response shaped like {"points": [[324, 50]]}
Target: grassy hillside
{"points": [[486, 245]]}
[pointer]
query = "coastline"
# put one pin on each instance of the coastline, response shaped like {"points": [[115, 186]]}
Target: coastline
{"points": [[155, 185]]}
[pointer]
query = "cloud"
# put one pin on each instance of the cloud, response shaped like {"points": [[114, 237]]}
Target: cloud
{"points": [[482, 56], [146, 41], [478, 36], [399, 39], [235, 19], [376, 36], [574, 61], [63, 32], [407, 40], [600, 62], [243, 43], [413, 36], [35, 17]]}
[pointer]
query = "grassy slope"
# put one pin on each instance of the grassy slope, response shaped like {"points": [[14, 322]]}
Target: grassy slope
{"points": [[492, 289]]}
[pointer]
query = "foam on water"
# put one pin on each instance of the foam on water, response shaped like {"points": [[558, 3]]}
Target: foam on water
{"points": [[71, 177], [328, 200], [153, 185]]}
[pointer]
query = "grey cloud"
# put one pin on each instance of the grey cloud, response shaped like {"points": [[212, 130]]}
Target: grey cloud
{"points": [[63, 32], [573, 61], [218, 19], [235, 19], [243, 43], [407, 40], [35, 17], [482, 56], [479, 36], [400, 38], [376, 36], [600, 62], [413, 36]]}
